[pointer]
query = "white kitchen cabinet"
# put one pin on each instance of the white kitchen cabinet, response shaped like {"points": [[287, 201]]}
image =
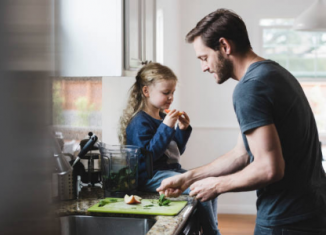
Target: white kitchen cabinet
{"points": [[139, 33], [89, 38]]}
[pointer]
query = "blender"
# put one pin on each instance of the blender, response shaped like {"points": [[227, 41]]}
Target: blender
{"points": [[120, 168]]}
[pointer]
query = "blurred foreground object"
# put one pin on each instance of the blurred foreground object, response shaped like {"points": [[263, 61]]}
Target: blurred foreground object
{"points": [[26, 64]]}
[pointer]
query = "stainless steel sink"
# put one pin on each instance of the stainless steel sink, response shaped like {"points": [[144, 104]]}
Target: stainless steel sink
{"points": [[89, 225]]}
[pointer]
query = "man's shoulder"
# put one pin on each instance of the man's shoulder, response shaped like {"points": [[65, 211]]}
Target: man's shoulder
{"points": [[266, 71], [265, 74], [261, 70], [251, 84], [259, 80]]}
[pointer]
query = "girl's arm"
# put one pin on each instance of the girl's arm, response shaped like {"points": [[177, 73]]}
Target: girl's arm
{"points": [[182, 137], [183, 132], [144, 135]]}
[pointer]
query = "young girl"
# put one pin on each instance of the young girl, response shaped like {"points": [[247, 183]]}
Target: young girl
{"points": [[144, 124]]}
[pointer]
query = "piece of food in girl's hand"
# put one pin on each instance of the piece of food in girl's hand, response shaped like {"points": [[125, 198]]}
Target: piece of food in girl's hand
{"points": [[168, 110], [133, 199]]}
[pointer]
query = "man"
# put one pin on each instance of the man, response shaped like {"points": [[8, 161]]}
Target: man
{"points": [[278, 151]]}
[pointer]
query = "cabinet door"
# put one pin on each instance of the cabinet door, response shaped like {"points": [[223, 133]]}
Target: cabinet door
{"points": [[89, 38], [139, 32]]}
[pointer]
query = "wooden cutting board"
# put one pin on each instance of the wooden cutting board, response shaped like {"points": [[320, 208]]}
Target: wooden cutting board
{"points": [[122, 208]]}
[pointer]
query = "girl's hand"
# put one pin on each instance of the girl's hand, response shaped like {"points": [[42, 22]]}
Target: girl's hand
{"points": [[171, 118], [184, 121]]}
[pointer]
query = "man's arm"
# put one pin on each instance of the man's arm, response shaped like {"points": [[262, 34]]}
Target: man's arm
{"points": [[232, 161], [267, 167]]}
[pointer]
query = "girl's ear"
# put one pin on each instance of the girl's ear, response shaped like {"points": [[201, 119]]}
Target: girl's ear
{"points": [[145, 91]]}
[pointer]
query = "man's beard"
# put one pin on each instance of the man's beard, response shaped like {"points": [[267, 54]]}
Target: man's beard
{"points": [[224, 68]]}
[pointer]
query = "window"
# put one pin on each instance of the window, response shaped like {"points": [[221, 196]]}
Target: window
{"points": [[304, 55], [77, 105], [316, 94]]}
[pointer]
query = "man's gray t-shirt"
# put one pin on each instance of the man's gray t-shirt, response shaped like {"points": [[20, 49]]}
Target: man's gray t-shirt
{"points": [[269, 94]]}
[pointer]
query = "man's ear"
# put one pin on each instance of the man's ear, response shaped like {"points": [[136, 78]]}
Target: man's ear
{"points": [[145, 91], [225, 45]]}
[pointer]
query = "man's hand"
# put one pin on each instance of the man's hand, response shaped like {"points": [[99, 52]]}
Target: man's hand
{"points": [[174, 186], [205, 189]]}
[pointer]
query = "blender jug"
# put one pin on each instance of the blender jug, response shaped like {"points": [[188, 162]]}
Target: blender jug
{"points": [[120, 168]]}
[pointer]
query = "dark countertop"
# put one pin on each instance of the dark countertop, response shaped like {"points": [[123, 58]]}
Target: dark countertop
{"points": [[165, 224]]}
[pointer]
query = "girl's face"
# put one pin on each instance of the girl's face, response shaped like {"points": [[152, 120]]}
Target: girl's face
{"points": [[160, 94]]}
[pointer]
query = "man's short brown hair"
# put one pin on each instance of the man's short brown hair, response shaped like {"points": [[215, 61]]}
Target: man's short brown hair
{"points": [[221, 23]]}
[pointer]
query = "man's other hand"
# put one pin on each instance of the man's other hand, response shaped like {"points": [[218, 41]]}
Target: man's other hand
{"points": [[205, 189]]}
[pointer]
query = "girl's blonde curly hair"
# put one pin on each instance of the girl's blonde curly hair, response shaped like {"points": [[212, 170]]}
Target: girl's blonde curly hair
{"points": [[146, 76]]}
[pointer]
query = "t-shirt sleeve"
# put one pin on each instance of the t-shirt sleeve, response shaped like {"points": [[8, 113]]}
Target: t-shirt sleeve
{"points": [[253, 105]]}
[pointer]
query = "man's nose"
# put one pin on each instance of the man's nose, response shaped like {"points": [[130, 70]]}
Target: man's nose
{"points": [[204, 67]]}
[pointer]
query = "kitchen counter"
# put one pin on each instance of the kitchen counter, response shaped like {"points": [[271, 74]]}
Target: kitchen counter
{"points": [[167, 225]]}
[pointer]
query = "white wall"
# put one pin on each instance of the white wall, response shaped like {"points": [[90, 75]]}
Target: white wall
{"points": [[209, 105], [114, 97]]}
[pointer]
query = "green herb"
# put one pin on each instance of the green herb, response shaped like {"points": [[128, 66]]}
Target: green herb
{"points": [[162, 196], [122, 180], [166, 202], [148, 205], [163, 201], [103, 202]]}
